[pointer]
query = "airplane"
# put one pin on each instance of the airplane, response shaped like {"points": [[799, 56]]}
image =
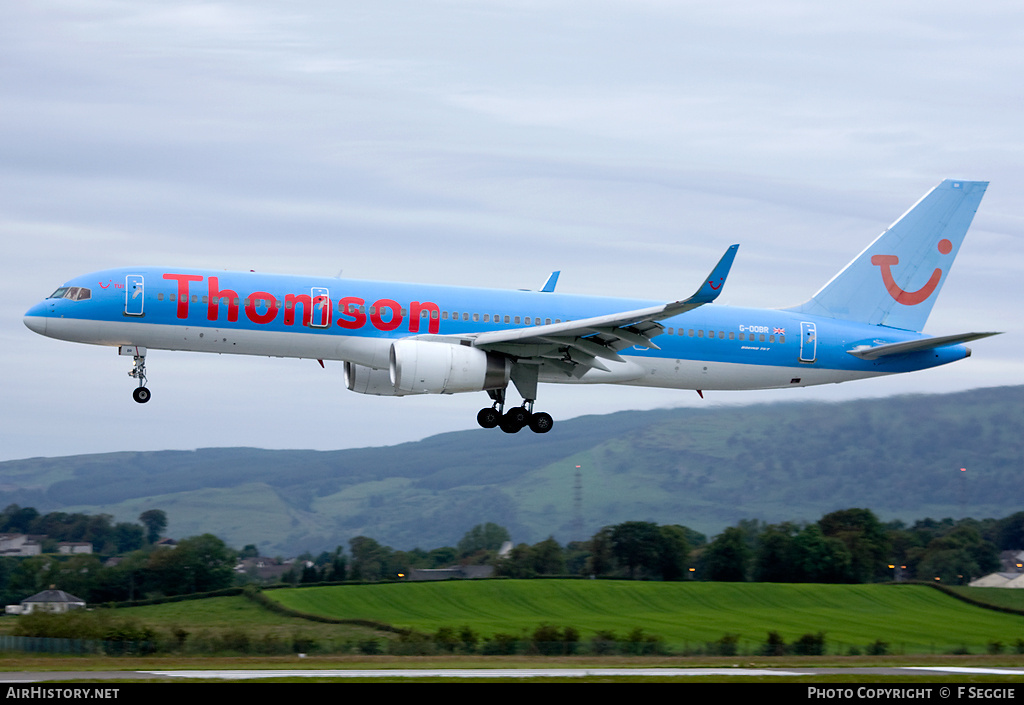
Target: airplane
{"points": [[398, 339]]}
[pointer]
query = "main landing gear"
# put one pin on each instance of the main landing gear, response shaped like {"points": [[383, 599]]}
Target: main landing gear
{"points": [[138, 371], [515, 419]]}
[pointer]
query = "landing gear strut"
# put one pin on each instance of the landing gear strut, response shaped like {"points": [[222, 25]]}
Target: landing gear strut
{"points": [[141, 394], [515, 419]]}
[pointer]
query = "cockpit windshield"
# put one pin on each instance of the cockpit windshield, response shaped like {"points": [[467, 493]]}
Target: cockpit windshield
{"points": [[74, 293]]}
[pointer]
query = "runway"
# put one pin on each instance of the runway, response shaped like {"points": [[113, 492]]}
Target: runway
{"points": [[471, 673]]}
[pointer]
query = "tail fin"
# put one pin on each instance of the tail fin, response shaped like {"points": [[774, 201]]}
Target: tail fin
{"points": [[895, 281]]}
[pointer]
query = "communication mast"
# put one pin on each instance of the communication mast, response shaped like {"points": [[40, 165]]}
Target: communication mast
{"points": [[577, 505]]}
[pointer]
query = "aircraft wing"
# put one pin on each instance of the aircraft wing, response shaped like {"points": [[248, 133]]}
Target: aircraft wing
{"points": [[873, 352], [576, 346]]}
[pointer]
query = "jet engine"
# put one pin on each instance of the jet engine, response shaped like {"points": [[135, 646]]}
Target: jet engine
{"points": [[424, 367], [369, 380]]}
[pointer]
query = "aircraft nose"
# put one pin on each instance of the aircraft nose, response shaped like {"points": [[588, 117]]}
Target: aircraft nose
{"points": [[35, 319], [36, 323]]}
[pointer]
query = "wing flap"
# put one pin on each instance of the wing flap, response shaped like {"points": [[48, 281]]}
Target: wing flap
{"points": [[611, 323], [586, 341]]}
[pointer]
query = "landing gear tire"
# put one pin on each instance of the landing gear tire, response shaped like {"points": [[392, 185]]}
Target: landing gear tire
{"points": [[541, 422], [514, 420], [141, 395], [488, 418]]}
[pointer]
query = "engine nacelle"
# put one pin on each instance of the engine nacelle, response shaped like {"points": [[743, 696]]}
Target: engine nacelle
{"points": [[424, 367], [368, 380]]}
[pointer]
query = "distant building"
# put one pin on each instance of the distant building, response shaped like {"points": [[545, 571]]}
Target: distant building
{"points": [[1012, 561], [1000, 580], [265, 569], [462, 572], [74, 547], [19, 545], [47, 601], [1011, 574]]}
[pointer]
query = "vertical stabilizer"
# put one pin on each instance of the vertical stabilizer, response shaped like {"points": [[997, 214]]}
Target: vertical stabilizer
{"points": [[895, 281]]}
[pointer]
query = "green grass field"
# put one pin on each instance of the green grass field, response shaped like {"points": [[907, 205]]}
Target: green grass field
{"points": [[910, 618]]}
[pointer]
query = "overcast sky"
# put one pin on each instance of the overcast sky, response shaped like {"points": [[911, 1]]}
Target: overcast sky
{"points": [[481, 142]]}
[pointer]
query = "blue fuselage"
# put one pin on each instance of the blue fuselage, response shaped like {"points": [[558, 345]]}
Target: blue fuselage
{"points": [[711, 347]]}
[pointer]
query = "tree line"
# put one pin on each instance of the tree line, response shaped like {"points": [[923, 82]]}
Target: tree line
{"points": [[126, 563], [98, 529], [846, 546]]}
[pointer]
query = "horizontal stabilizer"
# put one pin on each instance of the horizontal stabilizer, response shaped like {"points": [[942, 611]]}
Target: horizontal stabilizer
{"points": [[869, 352]]}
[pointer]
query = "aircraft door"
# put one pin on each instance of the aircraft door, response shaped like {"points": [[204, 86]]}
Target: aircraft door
{"points": [[134, 293], [321, 314], [808, 342]]}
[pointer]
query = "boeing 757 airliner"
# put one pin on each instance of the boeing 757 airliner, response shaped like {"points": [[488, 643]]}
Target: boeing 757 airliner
{"points": [[397, 339]]}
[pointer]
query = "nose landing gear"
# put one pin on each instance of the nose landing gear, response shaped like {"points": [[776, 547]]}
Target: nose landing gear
{"points": [[141, 394]]}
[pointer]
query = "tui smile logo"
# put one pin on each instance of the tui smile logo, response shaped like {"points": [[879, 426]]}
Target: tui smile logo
{"points": [[901, 295]]}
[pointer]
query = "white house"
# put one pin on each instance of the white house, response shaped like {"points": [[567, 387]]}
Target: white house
{"points": [[74, 547], [19, 545], [47, 601]]}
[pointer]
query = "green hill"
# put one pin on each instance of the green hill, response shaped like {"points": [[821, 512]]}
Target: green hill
{"points": [[705, 468]]}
